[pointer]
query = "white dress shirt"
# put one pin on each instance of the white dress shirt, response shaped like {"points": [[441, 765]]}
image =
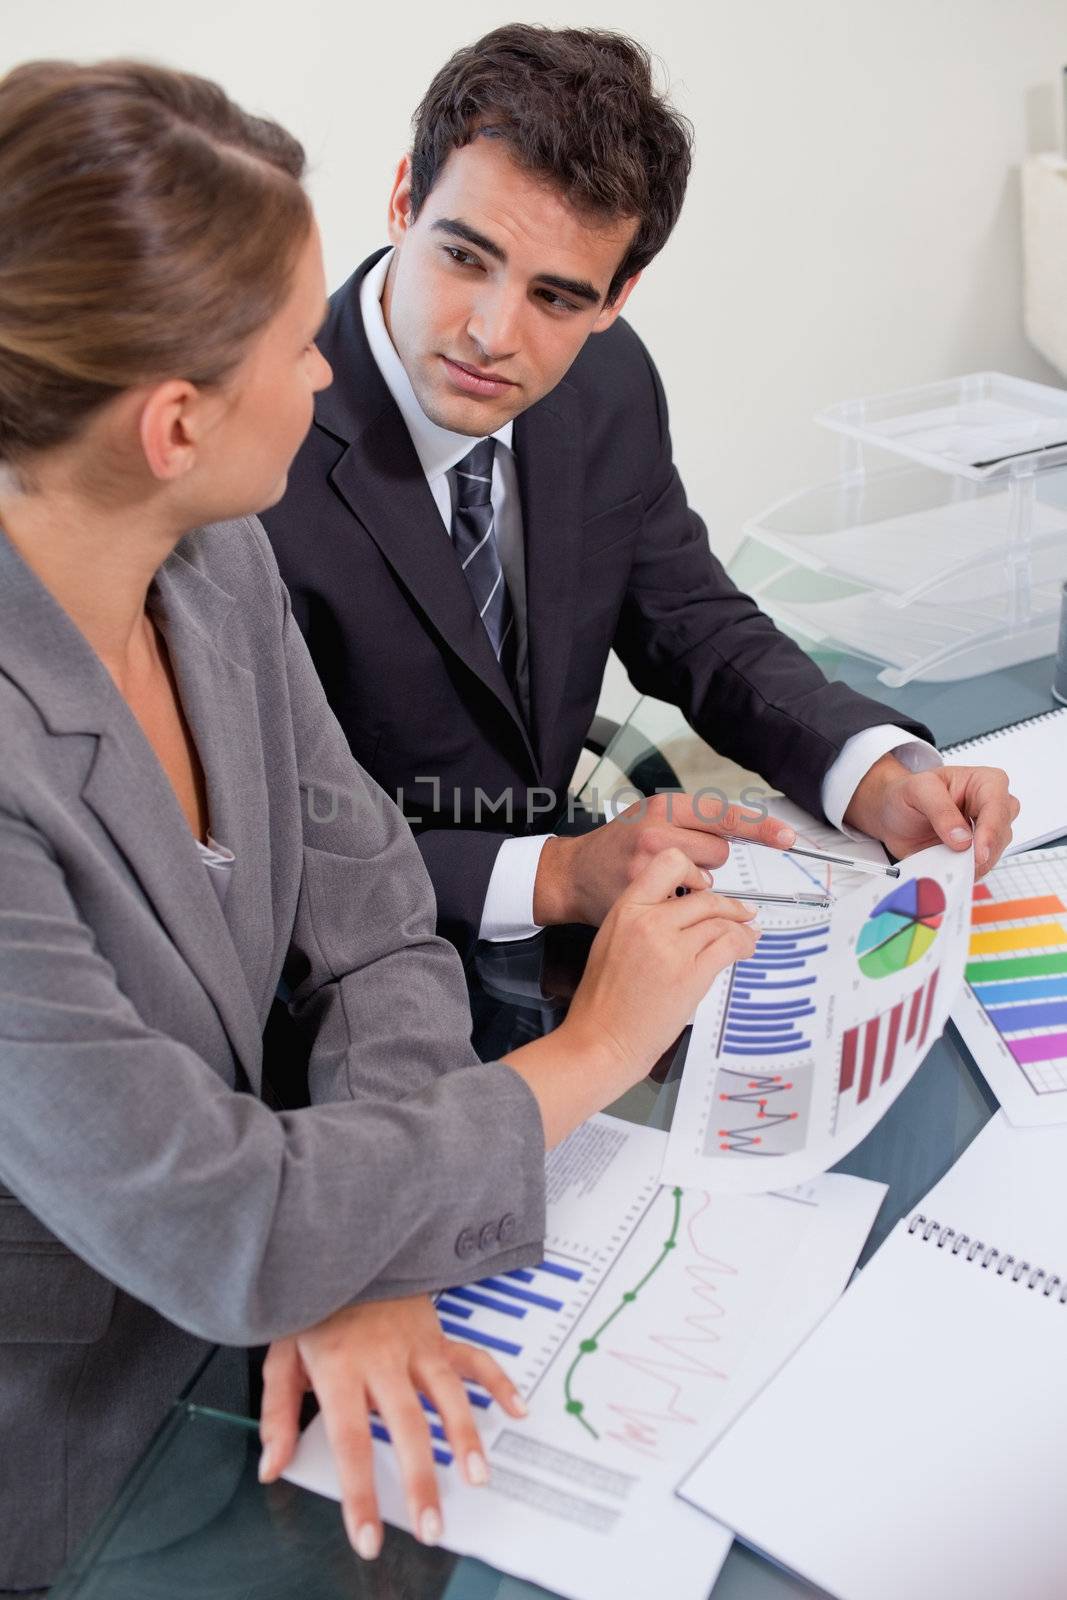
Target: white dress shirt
{"points": [[508, 909]]}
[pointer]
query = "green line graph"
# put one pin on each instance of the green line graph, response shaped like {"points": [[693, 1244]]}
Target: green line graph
{"points": [[588, 1347]]}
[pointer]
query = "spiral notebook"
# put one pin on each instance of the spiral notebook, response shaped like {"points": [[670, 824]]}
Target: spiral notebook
{"points": [[916, 1445], [1034, 755]]}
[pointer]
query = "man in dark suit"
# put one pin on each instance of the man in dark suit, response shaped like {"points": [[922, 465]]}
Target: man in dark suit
{"points": [[486, 505]]}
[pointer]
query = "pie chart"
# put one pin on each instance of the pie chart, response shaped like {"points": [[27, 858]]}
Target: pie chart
{"points": [[901, 928]]}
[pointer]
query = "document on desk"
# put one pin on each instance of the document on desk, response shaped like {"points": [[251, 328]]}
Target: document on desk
{"points": [[752, 869], [1012, 1011], [1034, 755], [654, 1315], [797, 1052], [915, 1444]]}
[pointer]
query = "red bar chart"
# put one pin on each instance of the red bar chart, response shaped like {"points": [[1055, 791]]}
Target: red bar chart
{"points": [[869, 1051]]}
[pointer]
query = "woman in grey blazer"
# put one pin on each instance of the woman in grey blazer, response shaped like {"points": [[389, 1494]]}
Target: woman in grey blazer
{"points": [[182, 827]]}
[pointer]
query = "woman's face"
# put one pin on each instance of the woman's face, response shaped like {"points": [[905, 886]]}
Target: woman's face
{"points": [[269, 400]]}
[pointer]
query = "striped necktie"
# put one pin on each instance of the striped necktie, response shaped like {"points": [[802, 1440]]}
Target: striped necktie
{"points": [[475, 540]]}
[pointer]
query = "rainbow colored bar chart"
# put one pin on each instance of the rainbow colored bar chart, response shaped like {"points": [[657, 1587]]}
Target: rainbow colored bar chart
{"points": [[1017, 969]]}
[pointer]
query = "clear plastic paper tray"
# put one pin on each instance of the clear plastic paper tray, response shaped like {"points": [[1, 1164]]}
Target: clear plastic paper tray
{"points": [[908, 531], [936, 643], [982, 426]]}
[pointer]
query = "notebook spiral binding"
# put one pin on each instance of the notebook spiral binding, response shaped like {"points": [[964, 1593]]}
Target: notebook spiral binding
{"points": [[995, 733], [1000, 1261]]}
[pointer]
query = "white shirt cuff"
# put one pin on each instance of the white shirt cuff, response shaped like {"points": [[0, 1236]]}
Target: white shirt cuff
{"points": [[856, 759], [508, 909]]}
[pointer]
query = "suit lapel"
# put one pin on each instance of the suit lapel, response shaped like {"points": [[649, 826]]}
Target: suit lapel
{"points": [[219, 699], [126, 787], [380, 479], [548, 451]]}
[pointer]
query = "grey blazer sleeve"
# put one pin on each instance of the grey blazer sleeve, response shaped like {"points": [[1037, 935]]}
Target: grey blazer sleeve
{"points": [[424, 1167]]}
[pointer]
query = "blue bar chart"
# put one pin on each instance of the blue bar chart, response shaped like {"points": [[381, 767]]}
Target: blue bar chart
{"points": [[770, 995], [520, 1317], [493, 1312]]}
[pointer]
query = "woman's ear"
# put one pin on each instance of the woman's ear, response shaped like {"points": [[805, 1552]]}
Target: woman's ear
{"points": [[171, 423]]}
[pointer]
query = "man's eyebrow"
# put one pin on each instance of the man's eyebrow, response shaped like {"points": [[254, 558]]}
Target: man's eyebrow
{"points": [[579, 287], [472, 236]]}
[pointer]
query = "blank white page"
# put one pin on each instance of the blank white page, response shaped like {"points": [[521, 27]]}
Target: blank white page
{"points": [[915, 1448], [1034, 755], [1009, 1189]]}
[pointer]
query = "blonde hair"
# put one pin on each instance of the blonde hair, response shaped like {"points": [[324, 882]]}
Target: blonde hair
{"points": [[148, 228]]}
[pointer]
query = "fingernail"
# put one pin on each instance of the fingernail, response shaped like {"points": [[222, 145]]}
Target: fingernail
{"points": [[430, 1526], [265, 1463], [477, 1468], [368, 1542], [746, 905], [756, 928], [960, 836], [518, 1404], [982, 854], [787, 836]]}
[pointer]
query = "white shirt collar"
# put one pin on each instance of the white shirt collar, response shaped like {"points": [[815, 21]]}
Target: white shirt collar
{"points": [[438, 449]]}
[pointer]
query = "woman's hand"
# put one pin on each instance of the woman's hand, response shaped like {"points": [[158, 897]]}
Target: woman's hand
{"points": [[653, 960], [380, 1356]]}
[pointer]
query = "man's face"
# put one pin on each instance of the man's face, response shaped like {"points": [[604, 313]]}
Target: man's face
{"points": [[494, 287]]}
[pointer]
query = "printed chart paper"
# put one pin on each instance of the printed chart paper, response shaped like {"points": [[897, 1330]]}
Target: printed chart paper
{"points": [[751, 869], [1013, 1012], [634, 1342], [912, 1448], [797, 1052]]}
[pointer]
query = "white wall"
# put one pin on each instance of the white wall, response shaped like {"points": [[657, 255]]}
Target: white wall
{"points": [[852, 223]]}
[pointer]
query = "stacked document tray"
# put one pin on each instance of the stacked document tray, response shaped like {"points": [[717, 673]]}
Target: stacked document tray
{"points": [[946, 565]]}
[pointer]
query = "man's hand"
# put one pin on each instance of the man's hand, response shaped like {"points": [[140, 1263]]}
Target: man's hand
{"points": [[580, 878], [909, 810], [380, 1356]]}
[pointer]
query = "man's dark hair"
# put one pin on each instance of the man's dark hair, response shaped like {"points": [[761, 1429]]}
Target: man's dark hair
{"points": [[577, 106]]}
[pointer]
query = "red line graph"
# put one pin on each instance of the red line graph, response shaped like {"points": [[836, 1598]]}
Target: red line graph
{"points": [[676, 1356]]}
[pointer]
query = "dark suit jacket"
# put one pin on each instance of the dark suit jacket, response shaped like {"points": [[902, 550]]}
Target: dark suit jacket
{"points": [[614, 558]]}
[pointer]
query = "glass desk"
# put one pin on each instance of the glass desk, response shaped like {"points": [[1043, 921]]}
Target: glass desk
{"points": [[193, 1519]]}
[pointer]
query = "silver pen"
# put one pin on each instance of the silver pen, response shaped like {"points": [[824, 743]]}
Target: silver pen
{"points": [[802, 898], [878, 868]]}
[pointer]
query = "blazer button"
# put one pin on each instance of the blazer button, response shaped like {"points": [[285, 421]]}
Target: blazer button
{"points": [[487, 1236], [466, 1244], [506, 1231]]}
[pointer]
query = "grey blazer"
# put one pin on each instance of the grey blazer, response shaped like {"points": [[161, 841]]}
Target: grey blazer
{"points": [[150, 1201]]}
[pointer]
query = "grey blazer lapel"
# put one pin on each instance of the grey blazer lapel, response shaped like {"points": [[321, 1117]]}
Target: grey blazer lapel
{"points": [[222, 707], [126, 788]]}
